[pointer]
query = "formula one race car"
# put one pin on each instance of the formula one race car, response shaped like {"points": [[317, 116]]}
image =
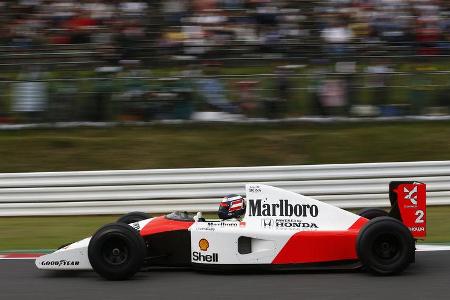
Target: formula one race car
{"points": [[280, 230]]}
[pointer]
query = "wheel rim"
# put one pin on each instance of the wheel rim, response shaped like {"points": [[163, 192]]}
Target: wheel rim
{"points": [[115, 251], [387, 247]]}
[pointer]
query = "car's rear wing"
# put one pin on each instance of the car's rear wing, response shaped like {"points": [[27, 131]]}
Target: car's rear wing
{"points": [[408, 202]]}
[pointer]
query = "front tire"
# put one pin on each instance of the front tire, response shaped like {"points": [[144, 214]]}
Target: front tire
{"points": [[116, 251], [385, 246]]}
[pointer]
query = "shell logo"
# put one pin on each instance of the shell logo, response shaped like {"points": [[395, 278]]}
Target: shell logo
{"points": [[203, 244]]}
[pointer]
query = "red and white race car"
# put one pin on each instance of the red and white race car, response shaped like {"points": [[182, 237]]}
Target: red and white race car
{"points": [[280, 230]]}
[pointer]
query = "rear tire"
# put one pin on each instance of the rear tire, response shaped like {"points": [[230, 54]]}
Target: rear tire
{"points": [[133, 217], [385, 246], [372, 213], [116, 251]]}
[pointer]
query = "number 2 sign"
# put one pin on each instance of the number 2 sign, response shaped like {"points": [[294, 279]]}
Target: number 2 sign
{"points": [[411, 199]]}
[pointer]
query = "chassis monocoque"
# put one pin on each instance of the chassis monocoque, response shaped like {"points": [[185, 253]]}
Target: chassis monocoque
{"points": [[280, 230]]}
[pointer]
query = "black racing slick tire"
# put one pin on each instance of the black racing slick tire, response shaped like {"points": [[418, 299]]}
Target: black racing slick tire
{"points": [[385, 246], [116, 251], [372, 213], [133, 217]]}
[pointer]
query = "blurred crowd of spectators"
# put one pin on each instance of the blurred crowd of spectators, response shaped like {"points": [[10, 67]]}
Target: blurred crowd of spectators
{"points": [[200, 27], [125, 40], [335, 27], [112, 25], [132, 92], [422, 25]]}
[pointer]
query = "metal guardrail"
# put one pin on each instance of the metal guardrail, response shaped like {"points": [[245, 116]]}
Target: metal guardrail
{"points": [[162, 190]]}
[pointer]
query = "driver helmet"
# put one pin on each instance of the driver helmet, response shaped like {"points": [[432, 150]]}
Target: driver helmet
{"points": [[232, 206]]}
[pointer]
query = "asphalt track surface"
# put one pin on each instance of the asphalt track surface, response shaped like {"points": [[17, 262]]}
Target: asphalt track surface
{"points": [[428, 278]]}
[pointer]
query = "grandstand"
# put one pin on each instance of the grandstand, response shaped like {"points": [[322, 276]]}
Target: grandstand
{"points": [[264, 58]]}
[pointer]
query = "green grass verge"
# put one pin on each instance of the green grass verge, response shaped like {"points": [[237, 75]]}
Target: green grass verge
{"points": [[197, 145], [47, 232], [51, 232]]}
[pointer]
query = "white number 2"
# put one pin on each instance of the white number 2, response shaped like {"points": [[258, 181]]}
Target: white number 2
{"points": [[419, 214]]}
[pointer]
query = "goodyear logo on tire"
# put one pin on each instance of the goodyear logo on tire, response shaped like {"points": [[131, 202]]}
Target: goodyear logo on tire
{"points": [[203, 244]]}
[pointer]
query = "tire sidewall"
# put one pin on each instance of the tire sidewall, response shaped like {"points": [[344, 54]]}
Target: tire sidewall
{"points": [[135, 251], [369, 235]]}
